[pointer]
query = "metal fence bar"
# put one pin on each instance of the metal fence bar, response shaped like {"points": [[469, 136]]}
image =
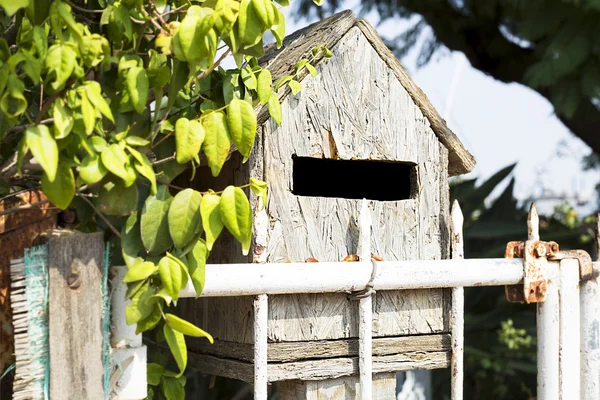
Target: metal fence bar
{"points": [[569, 365], [548, 327], [458, 308], [330, 277], [590, 338], [261, 319]]}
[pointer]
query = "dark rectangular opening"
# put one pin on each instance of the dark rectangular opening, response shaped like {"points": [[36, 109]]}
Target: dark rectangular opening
{"points": [[353, 179]]}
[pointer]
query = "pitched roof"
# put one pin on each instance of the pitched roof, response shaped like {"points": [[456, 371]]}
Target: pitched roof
{"points": [[299, 45]]}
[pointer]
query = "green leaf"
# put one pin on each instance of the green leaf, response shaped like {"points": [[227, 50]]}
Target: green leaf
{"points": [[92, 170], [12, 6], [211, 218], [237, 215], [137, 87], [241, 121], [136, 141], [265, 11], [248, 76], [63, 120], [60, 63], [250, 26], [282, 81], [216, 142], [140, 272], [149, 322], [319, 2], [197, 265], [184, 217], [171, 276], [43, 147], [61, 190], [89, 114], [264, 86], [141, 306], [115, 160], [154, 223], [13, 101], [94, 94], [259, 188], [131, 241], [144, 167], [172, 389], [189, 136], [185, 327], [193, 31], [311, 69], [275, 108], [154, 373], [178, 80], [295, 86], [278, 29], [176, 343], [117, 199]]}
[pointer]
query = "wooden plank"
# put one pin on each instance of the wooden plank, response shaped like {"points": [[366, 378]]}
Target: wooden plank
{"points": [[346, 388], [76, 265], [295, 351], [318, 369]]}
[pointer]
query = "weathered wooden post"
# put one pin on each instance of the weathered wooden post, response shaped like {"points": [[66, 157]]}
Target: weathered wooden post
{"points": [[76, 271], [360, 129]]}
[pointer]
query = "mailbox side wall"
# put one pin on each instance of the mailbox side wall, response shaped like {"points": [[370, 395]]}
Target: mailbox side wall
{"points": [[355, 108]]}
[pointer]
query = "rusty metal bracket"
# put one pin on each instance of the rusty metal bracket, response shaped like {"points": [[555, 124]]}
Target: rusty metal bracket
{"points": [[535, 255], [586, 266]]}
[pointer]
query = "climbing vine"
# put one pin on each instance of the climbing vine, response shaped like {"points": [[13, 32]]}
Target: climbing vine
{"points": [[103, 103]]}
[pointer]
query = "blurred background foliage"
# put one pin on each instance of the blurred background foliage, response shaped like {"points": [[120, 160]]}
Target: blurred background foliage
{"points": [[500, 346]]}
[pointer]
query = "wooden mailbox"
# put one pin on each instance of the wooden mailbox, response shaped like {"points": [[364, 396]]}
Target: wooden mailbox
{"points": [[360, 128]]}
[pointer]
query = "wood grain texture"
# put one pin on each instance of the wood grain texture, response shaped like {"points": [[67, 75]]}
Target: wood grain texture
{"points": [[330, 31], [354, 113], [346, 388], [317, 369], [295, 351], [76, 266]]}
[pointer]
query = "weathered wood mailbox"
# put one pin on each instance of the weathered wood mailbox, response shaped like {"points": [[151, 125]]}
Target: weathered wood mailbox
{"points": [[360, 129]]}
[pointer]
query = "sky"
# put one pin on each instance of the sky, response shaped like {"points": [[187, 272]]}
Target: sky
{"points": [[499, 124]]}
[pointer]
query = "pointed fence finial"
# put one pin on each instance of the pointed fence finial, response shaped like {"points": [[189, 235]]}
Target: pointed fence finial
{"points": [[458, 250], [533, 224], [364, 232]]}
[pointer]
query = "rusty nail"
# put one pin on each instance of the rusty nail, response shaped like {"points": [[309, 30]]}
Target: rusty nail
{"points": [[74, 281]]}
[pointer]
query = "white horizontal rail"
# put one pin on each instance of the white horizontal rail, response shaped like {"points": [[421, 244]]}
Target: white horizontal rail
{"points": [[253, 279]]}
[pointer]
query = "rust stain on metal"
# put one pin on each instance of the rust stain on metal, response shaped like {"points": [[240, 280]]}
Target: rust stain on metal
{"points": [[535, 254], [586, 267], [18, 230]]}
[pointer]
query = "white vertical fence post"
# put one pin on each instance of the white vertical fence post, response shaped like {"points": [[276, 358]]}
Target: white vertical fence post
{"points": [[548, 327], [365, 309], [590, 332], [548, 324], [261, 319], [458, 307], [569, 330]]}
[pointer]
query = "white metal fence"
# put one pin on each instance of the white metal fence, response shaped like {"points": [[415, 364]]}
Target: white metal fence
{"points": [[568, 321]]}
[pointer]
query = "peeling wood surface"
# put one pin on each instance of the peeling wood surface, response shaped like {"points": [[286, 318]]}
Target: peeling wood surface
{"points": [[18, 231], [330, 31], [346, 388], [368, 115], [76, 267], [318, 369], [295, 351]]}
